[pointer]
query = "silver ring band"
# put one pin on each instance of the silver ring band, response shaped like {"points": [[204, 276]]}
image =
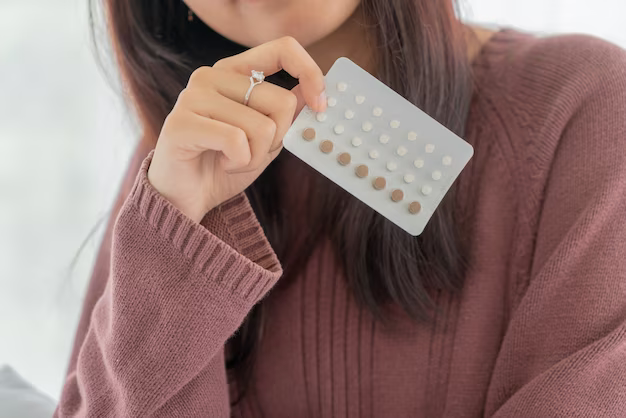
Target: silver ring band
{"points": [[256, 78]]}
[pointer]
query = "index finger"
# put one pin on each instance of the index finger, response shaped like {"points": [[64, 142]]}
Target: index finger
{"points": [[284, 53]]}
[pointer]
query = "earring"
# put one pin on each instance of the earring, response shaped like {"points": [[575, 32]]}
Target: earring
{"points": [[190, 16]]}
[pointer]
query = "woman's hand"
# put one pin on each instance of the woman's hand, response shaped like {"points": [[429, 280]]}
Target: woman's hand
{"points": [[212, 146]]}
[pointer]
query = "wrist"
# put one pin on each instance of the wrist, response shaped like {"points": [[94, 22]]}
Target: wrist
{"points": [[193, 209]]}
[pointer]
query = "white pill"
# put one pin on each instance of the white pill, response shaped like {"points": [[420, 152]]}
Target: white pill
{"points": [[391, 166], [426, 190], [359, 99], [367, 126], [384, 138], [412, 136], [401, 151], [436, 175], [332, 102], [429, 148], [321, 117], [349, 114], [419, 163], [447, 160], [408, 178], [356, 141], [374, 154], [338, 129], [377, 111], [342, 86], [394, 124]]}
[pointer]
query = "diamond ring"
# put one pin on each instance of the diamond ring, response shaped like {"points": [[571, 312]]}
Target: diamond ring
{"points": [[256, 78]]}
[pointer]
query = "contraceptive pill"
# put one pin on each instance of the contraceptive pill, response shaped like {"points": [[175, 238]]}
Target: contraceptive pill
{"points": [[400, 161]]}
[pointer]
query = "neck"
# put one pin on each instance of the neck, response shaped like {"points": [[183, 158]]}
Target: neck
{"points": [[476, 37], [347, 41]]}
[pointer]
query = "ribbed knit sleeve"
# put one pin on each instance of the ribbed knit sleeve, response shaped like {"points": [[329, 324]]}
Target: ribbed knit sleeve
{"points": [[564, 350], [177, 291]]}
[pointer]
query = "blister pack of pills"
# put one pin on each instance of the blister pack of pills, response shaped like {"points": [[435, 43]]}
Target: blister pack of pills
{"points": [[379, 147]]}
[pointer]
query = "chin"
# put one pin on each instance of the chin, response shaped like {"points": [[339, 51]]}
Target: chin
{"points": [[308, 21], [305, 35]]}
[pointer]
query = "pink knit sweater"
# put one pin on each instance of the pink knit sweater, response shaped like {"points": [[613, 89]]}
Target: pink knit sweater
{"points": [[538, 331]]}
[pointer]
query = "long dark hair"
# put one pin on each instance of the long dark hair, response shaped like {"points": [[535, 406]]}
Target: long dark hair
{"points": [[421, 52]]}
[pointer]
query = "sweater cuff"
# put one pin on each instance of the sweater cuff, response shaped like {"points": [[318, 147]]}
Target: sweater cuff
{"points": [[229, 241], [235, 223]]}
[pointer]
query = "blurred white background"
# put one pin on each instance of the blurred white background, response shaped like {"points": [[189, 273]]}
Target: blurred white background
{"points": [[65, 139]]}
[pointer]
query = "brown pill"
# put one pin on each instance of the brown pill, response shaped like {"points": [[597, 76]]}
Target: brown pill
{"points": [[344, 158], [309, 134], [362, 171], [326, 146], [379, 183], [415, 207], [397, 195]]}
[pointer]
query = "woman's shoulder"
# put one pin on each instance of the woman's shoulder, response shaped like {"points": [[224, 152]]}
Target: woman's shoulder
{"points": [[548, 107], [533, 64], [545, 78], [536, 87]]}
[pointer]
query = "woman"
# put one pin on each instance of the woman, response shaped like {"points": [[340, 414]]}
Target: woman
{"points": [[511, 304]]}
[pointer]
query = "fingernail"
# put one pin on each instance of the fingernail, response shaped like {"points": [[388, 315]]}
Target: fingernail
{"points": [[321, 102]]}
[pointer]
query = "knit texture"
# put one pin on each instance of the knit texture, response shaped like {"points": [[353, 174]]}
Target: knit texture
{"points": [[539, 329]]}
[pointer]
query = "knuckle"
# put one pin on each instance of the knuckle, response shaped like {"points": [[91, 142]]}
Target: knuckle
{"points": [[236, 139], [267, 129], [290, 99], [184, 96], [173, 119], [200, 74], [290, 43], [221, 63], [174, 122], [239, 137]]}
